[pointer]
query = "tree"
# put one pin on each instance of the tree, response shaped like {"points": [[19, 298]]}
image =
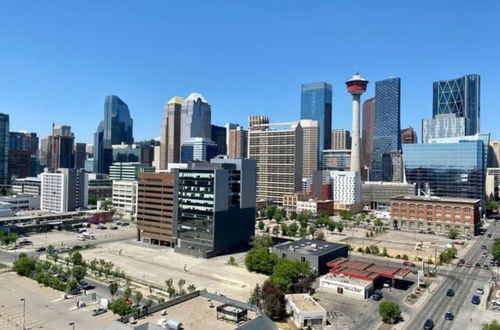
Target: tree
{"points": [[24, 265], [302, 232], [312, 230], [276, 230], [495, 250], [261, 225], [170, 287], [389, 311], [345, 215], [262, 241], [181, 284], [340, 227], [78, 273], [278, 217], [453, 233], [137, 296], [260, 260], [191, 288], [494, 325], [293, 215], [121, 307], [293, 229], [256, 297], [287, 272], [378, 223], [76, 258], [320, 236], [262, 213], [92, 199], [71, 286], [127, 293], [273, 301], [270, 211], [149, 303], [331, 225], [113, 288]]}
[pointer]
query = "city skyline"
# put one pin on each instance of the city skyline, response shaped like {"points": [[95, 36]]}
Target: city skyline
{"points": [[271, 79]]}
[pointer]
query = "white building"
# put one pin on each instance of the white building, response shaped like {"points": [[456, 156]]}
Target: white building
{"points": [[345, 285], [346, 187], [125, 197], [305, 310], [9, 205], [64, 190], [27, 186]]}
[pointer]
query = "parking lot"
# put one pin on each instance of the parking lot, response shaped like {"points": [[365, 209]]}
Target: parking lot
{"points": [[45, 308]]}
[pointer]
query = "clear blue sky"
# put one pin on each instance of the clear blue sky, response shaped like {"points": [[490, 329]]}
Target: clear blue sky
{"points": [[60, 58]]}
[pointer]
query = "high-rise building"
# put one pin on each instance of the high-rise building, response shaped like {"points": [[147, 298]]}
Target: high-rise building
{"points": [[237, 142], [494, 154], [257, 120], [310, 147], [80, 154], [367, 131], [460, 96], [216, 206], [277, 149], [219, 136], [61, 144], [443, 126], [133, 153], [24, 141], [346, 187], [336, 160], [392, 167], [44, 152], [64, 190], [408, 135], [386, 135], [23, 149], [117, 127], [341, 139], [170, 135], [316, 104], [156, 214], [198, 149], [128, 171], [196, 118], [124, 197], [356, 86], [4, 148]]}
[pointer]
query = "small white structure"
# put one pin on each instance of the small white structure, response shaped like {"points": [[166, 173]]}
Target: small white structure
{"points": [[310, 205], [305, 310], [348, 286]]}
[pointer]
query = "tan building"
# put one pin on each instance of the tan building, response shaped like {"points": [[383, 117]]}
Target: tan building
{"points": [[367, 132], [155, 208], [436, 214], [277, 149], [408, 136], [170, 133], [257, 120], [494, 154], [237, 143], [310, 147], [341, 139], [290, 200]]}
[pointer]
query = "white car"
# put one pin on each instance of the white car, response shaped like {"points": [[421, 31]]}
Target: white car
{"points": [[480, 291]]}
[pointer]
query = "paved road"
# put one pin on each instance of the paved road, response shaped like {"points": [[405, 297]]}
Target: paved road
{"points": [[463, 281]]}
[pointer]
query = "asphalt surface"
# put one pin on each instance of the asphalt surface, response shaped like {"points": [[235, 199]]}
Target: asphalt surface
{"points": [[463, 281]]}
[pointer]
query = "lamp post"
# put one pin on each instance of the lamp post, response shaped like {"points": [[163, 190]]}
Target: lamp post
{"points": [[72, 325], [24, 313]]}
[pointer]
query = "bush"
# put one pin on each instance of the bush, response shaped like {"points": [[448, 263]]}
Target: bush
{"points": [[389, 311], [24, 265], [121, 307], [405, 257]]}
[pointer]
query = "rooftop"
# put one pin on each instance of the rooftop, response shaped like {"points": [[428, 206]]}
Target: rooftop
{"points": [[365, 270], [310, 247], [305, 303], [346, 279], [437, 199]]}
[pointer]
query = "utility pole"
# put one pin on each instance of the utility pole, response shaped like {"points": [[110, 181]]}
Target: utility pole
{"points": [[24, 313]]}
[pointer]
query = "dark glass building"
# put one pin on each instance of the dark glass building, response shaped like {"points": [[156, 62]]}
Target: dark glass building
{"points": [[219, 136], [4, 148], [116, 128], [386, 131], [460, 96], [316, 104], [447, 169]]}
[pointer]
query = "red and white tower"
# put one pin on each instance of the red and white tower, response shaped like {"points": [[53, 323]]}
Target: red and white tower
{"points": [[356, 86]]}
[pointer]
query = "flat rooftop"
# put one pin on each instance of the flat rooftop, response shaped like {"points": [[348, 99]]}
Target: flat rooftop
{"points": [[438, 199], [305, 303], [309, 247], [365, 270]]}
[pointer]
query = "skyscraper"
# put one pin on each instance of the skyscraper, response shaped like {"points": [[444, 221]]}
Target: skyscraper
{"points": [[219, 136], [386, 135], [257, 120], [61, 144], [237, 142], [23, 150], [4, 148], [80, 154], [316, 104], [310, 143], [196, 118], [170, 135], [367, 131], [443, 126], [198, 149], [341, 139], [460, 96], [408, 135], [64, 190], [117, 127]]}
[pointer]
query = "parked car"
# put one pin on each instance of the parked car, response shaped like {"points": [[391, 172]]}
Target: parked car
{"points": [[450, 293], [98, 311], [480, 291], [429, 324], [113, 227], [41, 249], [125, 224], [409, 264], [483, 247], [86, 286], [476, 300], [486, 267], [468, 264], [101, 227], [377, 295], [489, 235], [477, 265], [449, 316]]}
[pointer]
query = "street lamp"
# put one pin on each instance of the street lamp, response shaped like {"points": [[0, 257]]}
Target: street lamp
{"points": [[24, 313], [73, 325]]}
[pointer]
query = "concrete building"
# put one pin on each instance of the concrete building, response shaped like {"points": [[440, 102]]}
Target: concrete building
{"points": [[196, 118], [23, 153], [16, 203], [156, 213], [4, 148], [443, 126], [170, 133], [237, 144], [437, 214], [341, 139], [198, 150], [376, 195], [100, 186], [216, 206], [290, 200], [408, 135], [27, 186], [257, 120], [367, 137], [61, 145], [392, 167], [348, 286], [346, 187], [492, 182], [316, 207], [494, 154], [80, 155], [336, 160], [356, 86], [305, 311], [125, 198], [128, 171], [316, 253], [133, 153], [64, 190], [277, 150], [310, 147]]}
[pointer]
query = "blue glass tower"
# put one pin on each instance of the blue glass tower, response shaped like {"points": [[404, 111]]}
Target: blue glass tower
{"points": [[460, 96], [386, 131], [316, 104], [4, 148], [117, 127]]}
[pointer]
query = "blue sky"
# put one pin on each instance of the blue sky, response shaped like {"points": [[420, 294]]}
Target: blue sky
{"points": [[60, 58]]}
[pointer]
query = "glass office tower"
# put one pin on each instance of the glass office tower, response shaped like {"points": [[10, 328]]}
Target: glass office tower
{"points": [[460, 96], [4, 148], [447, 169], [386, 133], [316, 104]]}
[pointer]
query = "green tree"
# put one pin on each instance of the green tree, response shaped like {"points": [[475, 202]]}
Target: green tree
{"points": [[495, 249], [389, 311], [340, 226], [320, 236], [270, 211], [76, 258], [263, 213], [302, 232], [293, 215], [256, 297], [278, 217], [494, 325], [312, 230], [149, 303], [286, 272], [276, 230], [113, 288], [71, 285], [453, 233], [24, 265], [121, 307], [137, 297], [170, 287], [92, 200], [331, 225], [127, 293], [78, 273], [293, 229], [273, 301], [284, 229], [191, 288], [262, 241], [260, 260], [261, 225], [181, 284], [345, 215]]}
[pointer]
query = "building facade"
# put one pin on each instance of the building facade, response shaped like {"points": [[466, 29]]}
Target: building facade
{"points": [[310, 147], [386, 134], [494, 154], [346, 187], [219, 137], [460, 96], [341, 139], [237, 145], [27, 186], [316, 104], [100, 186], [443, 126], [61, 145], [128, 171], [4, 148], [170, 133], [436, 214], [336, 160], [376, 195], [125, 198], [64, 190], [196, 118], [198, 150], [367, 131], [408, 135]]}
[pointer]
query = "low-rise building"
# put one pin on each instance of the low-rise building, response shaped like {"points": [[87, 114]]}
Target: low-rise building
{"points": [[316, 207], [128, 171], [377, 195], [100, 186], [316, 252], [27, 186], [436, 214], [125, 198], [346, 285], [290, 200], [305, 311]]}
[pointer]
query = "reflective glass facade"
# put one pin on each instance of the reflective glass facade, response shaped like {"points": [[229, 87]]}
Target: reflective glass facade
{"points": [[443, 126], [316, 104], [447, 169], [460, 96], [4, 148], [386, 132]]}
